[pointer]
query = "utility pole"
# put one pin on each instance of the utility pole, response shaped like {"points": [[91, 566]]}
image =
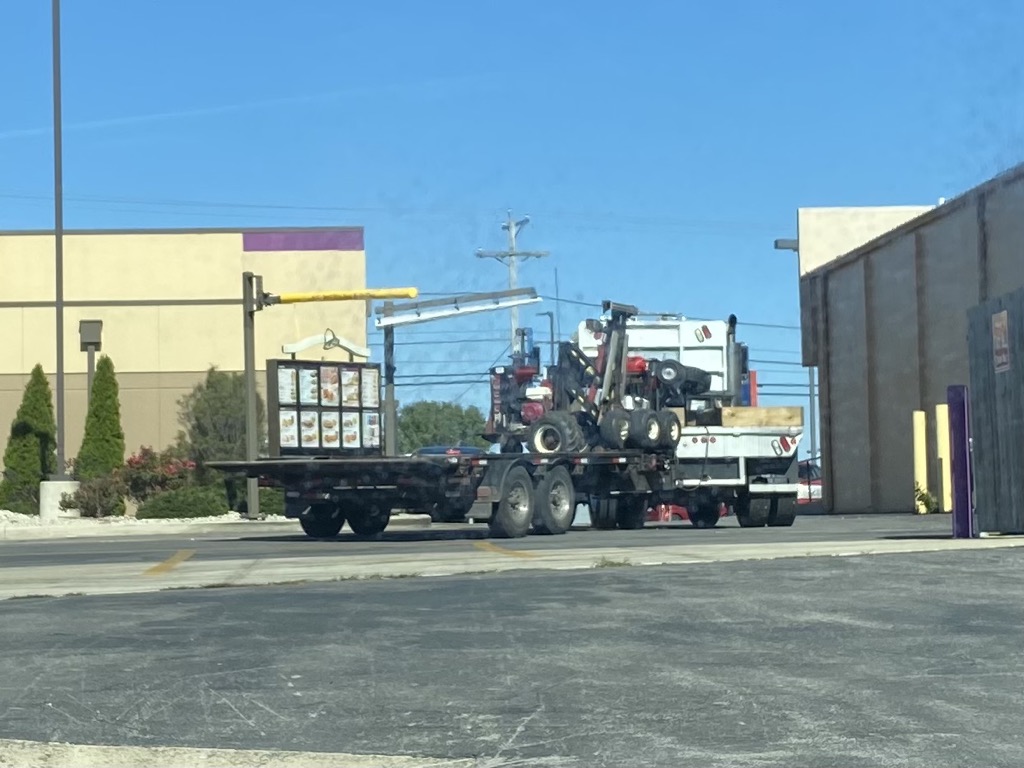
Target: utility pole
{"points": [[510, 258], [58, 238]]}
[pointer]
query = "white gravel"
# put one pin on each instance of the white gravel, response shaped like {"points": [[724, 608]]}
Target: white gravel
{"points": [[14, 518]]}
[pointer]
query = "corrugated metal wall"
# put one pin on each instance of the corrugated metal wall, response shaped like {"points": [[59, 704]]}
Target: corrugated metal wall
{"points": [[889, 335], [997, 412]]}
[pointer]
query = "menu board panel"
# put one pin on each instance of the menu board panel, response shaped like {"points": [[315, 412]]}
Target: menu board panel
{"points": [[319, 408]]}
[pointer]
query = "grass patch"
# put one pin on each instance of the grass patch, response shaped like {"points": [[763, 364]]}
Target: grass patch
{"points": [[607, 562]]}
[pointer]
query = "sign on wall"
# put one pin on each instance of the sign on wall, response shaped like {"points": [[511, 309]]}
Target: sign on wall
{"points": [[318, 408], [1001, 342]]}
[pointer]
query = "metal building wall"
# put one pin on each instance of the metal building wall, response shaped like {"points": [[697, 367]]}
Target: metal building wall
{"points": [[887, 327], [997, 413]]}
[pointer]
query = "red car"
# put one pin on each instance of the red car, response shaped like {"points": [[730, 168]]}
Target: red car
{"points": [[670, 513]]}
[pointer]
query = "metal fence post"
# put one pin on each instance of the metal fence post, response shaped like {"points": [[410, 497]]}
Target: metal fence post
{"points": [[960, 461]]}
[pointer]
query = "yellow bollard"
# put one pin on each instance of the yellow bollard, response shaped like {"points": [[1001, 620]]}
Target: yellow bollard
{"points": [[942, 452], [920, 459]]}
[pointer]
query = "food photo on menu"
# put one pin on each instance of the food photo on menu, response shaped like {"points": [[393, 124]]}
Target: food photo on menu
{"points": [[309, 429], [349, 388], [329, 385], [371, 430], [309, 387], [289, 430], [330, 430], [350, 429]]}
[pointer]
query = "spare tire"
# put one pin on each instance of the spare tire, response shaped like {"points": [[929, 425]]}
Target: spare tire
{"points": [[555, 432], [644, 429], [671, 429]]}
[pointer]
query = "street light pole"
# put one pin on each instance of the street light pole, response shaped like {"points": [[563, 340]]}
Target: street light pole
{"points": [[58, 238], [789, 244]]}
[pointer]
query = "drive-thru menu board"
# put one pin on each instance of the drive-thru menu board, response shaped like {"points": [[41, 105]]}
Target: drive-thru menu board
{"points": [[318, 408]]}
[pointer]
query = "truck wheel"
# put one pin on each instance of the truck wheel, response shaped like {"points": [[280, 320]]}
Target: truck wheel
{"points": [[704, 515], [632, 513], [554, 502], [615, 429], [752, 513], [671, 429], [782, 512], [323, 521], [555, 433], [644, 429], [603, 513], [369, 520], [515, 510]]}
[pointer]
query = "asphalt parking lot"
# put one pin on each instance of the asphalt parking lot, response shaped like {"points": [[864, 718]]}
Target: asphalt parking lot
{"points": [[888, 660]]}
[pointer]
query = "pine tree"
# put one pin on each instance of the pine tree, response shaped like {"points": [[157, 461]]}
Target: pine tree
{"points": [[102, 448], [31, 455]]}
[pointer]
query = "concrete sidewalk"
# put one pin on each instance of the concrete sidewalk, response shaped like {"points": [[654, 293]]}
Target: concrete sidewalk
{"points": [[71, 528], [181, 571]]}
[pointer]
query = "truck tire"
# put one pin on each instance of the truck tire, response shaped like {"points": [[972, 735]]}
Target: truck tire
{"points": [[323, 521], [631, 513], [603, 513], [615, 429], [556, 432], [782, 512], [554, 502], [515, 510], [752, 512], [704, 515], [671, 429], [368, 520], [644, 429]]}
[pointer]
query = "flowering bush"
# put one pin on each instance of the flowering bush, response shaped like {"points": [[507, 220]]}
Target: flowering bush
{"points": [[149, 472]]}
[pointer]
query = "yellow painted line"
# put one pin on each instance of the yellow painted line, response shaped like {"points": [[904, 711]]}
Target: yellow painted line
{"points": [[486, 546], [170, 563]]}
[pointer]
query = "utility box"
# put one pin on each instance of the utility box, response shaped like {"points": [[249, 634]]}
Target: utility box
{"points": [[90, 333]]}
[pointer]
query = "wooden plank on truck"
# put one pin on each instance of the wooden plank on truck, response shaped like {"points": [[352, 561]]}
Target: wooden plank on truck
{"points": [[763, 416]]}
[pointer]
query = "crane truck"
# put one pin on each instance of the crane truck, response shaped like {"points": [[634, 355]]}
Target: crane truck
{"points": [[619, 427]]}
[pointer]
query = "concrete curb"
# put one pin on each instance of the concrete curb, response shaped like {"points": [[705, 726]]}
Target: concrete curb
{"points": [[97, 529]]}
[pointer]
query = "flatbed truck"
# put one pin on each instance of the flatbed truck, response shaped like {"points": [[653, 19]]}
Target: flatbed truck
{"points": [[708, 453]]}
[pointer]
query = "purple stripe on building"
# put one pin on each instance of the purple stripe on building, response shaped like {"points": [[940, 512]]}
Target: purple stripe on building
{"points": [[348, 239]]}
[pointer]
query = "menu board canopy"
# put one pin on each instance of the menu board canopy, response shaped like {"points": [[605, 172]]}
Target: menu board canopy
{"points": [[323, 408]]}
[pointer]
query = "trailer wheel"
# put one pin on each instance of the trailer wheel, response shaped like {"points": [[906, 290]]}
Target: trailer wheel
{"points": [[555, 433], [369, 520], [603, 513], [671, 429], [782, 512], [644, 428], [752, 513], [631, 513], [515, 510], [615, 429], [554, 502], [323, 521], [704, 515]]}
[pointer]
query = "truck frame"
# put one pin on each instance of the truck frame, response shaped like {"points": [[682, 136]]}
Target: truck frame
{"points": [[602, 455]]}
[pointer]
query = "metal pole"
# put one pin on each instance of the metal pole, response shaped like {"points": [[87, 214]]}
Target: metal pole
{"points": [[251, 416], [390, 406], [513, 279], [58, 237], [551, 331], [90, 372], [812, 421]]}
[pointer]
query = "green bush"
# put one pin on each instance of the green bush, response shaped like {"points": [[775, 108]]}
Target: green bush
{"points": [[102, 450], [271, 501], [190, 501], [100, 496], [212, 417], [30, 456]]}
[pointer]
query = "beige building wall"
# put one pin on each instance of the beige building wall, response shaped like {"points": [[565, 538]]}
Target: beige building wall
{"points": [[170, 302], [887, 326]]}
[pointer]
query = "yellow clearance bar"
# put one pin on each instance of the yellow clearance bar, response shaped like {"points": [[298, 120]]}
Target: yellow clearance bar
{"points": [[360, 295]]}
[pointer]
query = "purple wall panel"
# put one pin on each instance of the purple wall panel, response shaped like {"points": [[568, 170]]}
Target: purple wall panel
{"points": [[349, 239]]}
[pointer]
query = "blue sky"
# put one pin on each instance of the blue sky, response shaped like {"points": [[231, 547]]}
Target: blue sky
{"points": [[659, 147]]}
